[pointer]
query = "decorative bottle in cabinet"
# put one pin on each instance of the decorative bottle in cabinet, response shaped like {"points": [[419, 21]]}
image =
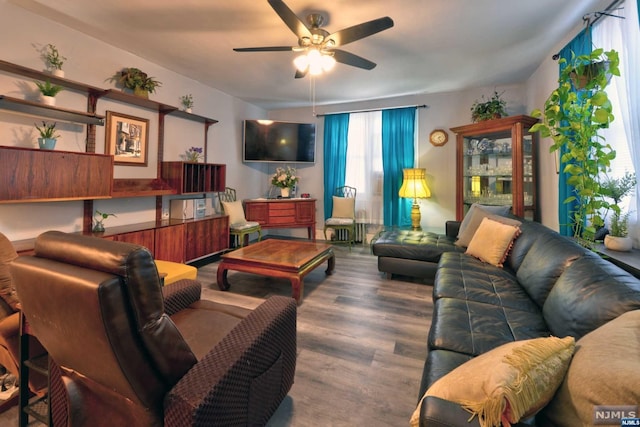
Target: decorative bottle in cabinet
{"points": [[496, 165]]}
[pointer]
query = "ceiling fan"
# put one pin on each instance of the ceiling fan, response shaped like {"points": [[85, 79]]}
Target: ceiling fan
{"points": [[318, 47]]}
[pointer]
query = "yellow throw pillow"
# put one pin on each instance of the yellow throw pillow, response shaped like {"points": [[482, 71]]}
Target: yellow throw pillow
{"points": [[235, 212], [508, 383], [343, 207], [492, 241]]}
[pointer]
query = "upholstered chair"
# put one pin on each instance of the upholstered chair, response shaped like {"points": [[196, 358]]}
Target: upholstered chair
{"points": [[343, 215], [239, 227], [131, 352], [10, 323]]}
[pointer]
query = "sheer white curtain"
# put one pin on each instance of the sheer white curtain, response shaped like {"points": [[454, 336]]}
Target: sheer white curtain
{"points": [[624, 133], [364, 165]]}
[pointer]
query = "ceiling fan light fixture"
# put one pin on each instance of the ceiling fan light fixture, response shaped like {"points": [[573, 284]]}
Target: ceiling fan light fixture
{"points": [[301, 62]]}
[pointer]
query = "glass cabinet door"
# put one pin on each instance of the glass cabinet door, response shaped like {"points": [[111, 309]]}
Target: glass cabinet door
{"points": [[488, 170]]}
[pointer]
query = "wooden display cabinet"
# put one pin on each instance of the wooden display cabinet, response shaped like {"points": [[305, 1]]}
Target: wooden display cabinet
{"points": [[206, 236], [188, 178], [496, 164]]}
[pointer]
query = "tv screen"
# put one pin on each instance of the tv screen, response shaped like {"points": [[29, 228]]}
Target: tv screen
{"points": [[273, 141]]}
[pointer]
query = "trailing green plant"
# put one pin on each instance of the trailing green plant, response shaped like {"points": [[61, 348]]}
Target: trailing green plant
{"points": [[494, 108], [48, 130], [48, 89], [52, 57], [573, 119], [133, 78]]}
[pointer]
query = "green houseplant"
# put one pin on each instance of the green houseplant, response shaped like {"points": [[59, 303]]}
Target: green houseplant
{"points": [[572, 118], [187, 102], [137, 81], [493, 108], [99, 218], [48, 92], [53, 60], [48, 135], [616, 189]]}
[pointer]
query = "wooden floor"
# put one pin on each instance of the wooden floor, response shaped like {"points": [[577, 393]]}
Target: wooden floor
{"points": [[361, 341]]}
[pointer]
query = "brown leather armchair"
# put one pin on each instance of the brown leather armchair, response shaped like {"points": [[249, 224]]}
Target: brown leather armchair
{"points": [[132, 353]]}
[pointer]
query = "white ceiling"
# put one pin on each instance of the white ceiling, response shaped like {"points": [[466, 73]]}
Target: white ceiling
{"points": [[434, 46]]}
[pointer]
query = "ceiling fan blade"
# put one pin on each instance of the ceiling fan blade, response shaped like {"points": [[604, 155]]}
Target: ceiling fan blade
{"points": [[301, 74], [360, 31], [291, 19], [353, 60], [264, 49]]}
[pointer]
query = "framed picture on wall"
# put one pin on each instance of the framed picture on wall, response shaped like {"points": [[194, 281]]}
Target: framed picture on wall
{"points": [[127, 139]]}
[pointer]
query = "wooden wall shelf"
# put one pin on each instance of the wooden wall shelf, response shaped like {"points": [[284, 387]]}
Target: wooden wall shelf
{"points": [[56, 113], [141, 187], [191, 178]]}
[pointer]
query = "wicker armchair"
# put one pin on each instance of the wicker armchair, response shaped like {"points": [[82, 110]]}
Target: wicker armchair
{"points": [[132, 353]]}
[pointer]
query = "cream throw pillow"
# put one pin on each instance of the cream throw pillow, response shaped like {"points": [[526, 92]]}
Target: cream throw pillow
{"points": [[235, 212], [343, 207], [473, 219], [508, 383], [492, 241], [604, 371]]}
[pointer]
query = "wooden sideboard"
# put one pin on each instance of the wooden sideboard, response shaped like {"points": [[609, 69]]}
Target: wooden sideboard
{"points": [[283, 213]]}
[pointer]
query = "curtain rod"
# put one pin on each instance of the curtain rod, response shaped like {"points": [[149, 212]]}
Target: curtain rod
{"points": [[372, 110], [598, 16]]}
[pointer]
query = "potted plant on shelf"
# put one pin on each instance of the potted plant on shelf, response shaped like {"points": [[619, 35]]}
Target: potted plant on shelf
{"points": [[53, 60], [187, 102], [137, 81], [616, 189], [99, 218], [48, 92], [285, 179], [193, 154], [48, 136], [494, 108], [572, 118]]}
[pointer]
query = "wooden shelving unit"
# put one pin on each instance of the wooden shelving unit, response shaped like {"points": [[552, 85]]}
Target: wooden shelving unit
{"points": [[56, 113], [193, 178]]}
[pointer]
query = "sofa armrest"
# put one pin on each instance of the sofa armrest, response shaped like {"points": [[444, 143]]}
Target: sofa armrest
{"points": [[180, 295], [243, 379], [452, 228], [437, 412]]}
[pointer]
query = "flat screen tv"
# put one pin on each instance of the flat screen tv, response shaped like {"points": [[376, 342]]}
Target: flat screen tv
{"points": [[274, 141]]}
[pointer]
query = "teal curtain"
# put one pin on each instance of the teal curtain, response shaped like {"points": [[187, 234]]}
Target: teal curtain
{"points": [[398, 135], [336, 131], [580, 45]]}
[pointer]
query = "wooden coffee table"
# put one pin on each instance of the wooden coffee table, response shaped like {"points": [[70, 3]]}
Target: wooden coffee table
{"points": [[290, 259]]}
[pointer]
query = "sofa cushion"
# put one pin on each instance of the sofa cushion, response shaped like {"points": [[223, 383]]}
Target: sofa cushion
{"points": [[547, 258], [474, 328], [235, 211], [509, 383], [474, 217], [415, 245], [492, 241], [605, 370], [591, 292], [464, 277], [343, 207]]}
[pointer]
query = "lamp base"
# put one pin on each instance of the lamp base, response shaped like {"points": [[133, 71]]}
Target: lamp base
{"points": [[415, 217]]}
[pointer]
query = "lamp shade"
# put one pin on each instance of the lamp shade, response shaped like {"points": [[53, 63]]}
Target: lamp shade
{"points": [[414, 185]]}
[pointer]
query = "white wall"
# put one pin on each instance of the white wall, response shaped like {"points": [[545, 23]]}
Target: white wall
{"points": [[92, 62]]}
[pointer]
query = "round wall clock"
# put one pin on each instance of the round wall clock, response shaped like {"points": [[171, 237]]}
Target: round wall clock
{"points": [[438, 137]]}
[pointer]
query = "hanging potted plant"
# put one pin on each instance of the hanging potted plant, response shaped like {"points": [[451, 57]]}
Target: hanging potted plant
{"points": [[48, 136], [494, 108], [136, 81], [572, 119], [53, 60], [48, 92]]}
